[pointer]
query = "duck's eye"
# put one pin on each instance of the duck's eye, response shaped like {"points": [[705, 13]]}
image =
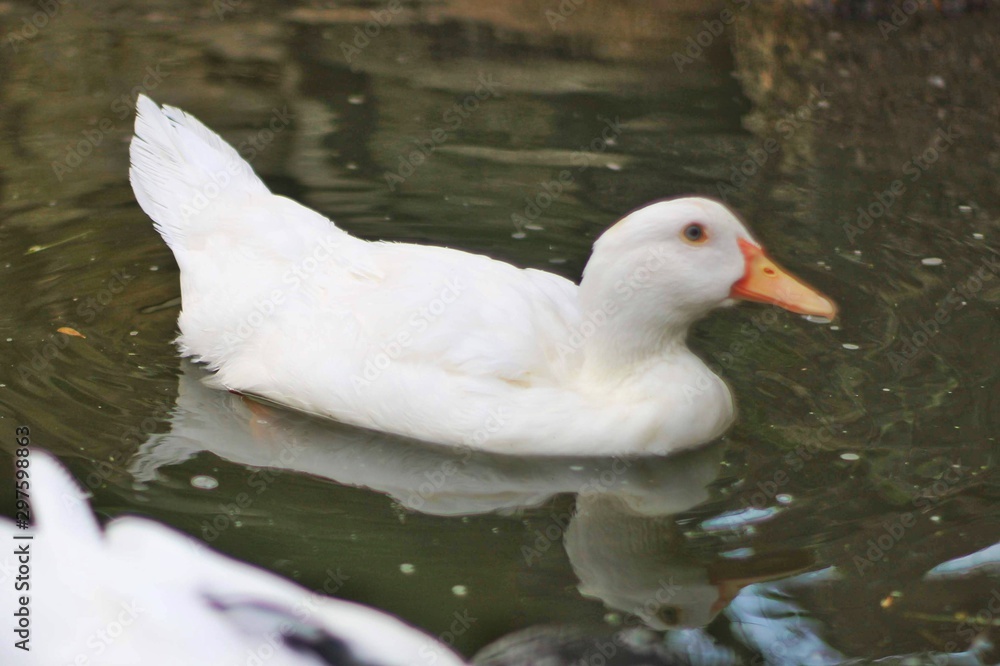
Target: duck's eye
{"points": [[695, 233], [669, 615]]}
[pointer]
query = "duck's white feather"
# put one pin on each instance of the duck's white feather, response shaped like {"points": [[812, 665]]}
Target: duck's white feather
{"points": [[141, 593], [429, 342]]}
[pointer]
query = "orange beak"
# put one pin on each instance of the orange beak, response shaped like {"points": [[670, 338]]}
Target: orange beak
{"points": [[766, 282]]}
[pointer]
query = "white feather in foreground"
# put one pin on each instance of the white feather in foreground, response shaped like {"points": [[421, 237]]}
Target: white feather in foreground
{"points": [[137, 592]]}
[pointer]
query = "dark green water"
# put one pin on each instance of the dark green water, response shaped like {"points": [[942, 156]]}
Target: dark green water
{"points": [[865, 451]]}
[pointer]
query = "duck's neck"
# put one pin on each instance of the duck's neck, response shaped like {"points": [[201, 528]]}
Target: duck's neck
{"points": [[622, 347], [636, 313]]}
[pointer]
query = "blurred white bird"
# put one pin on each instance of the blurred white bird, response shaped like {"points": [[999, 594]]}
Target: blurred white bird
{"points": [[138, 592]]}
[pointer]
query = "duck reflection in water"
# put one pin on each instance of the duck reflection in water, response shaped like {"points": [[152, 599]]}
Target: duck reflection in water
{"points": [[626, 537]]}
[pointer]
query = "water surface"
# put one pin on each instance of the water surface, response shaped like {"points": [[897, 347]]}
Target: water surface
{"points": [[865, 453]]}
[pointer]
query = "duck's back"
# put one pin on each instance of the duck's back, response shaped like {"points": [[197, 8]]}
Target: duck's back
{"points": [[372, 346], [284, 304]]}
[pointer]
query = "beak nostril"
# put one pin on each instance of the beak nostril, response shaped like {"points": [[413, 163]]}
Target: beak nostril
{"points": [[765, 282]]}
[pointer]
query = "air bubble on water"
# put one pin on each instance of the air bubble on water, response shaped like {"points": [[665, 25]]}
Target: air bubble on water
{"points": [[204, 482]]}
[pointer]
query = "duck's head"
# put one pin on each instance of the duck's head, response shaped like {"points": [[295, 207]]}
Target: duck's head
{"points": [[667, 264]]}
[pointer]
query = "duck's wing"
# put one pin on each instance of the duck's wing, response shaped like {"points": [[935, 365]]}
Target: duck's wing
{"points": [[259, 267], [434, 324], [467, 314]]}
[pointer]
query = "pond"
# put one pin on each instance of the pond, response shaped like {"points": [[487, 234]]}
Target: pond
{"points": [[827, 525]]}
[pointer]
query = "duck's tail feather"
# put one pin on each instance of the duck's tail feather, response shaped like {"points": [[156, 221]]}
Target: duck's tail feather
{"points": [[180, 169]]}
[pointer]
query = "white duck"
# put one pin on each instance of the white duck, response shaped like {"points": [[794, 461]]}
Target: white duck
{"points": [[442, 345], [140, 593]]}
